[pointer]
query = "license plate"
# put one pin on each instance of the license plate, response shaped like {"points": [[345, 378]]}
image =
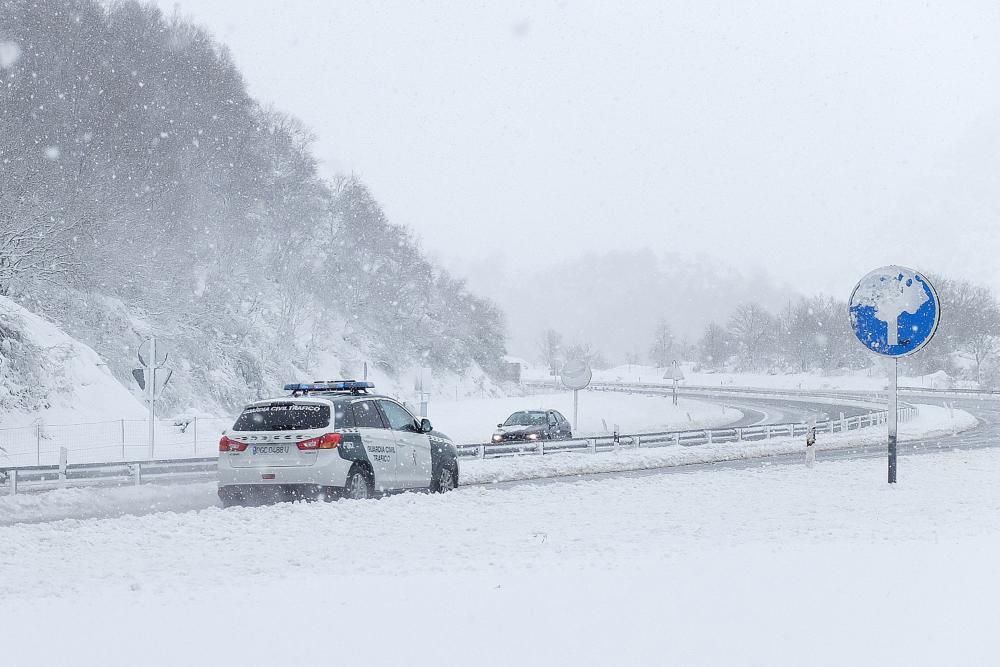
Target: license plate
{"points": [[265, 450]]}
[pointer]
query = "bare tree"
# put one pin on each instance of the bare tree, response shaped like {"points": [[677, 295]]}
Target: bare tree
{"points": [[972, 327], [753, 331], [662, 349], [714, 345], [550, 347]]}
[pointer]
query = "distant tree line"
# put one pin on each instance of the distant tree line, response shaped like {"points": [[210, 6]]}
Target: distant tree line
{"points": [[138, 179], [814, 334]]}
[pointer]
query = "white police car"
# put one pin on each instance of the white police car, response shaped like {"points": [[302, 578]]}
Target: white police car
{"points": [[330, 440]]}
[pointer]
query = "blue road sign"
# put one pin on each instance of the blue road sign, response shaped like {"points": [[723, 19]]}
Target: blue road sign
{"points": [[894, 311]]}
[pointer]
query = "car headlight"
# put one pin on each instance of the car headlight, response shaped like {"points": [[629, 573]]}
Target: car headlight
{"points": [[497, 437], [532, 436]]}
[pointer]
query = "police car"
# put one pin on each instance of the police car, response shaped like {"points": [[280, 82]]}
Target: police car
{"points": [[329, 440]]}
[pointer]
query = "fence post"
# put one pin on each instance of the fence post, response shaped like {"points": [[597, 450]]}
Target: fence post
{"points": [[708, 437], [593, 445], [481, 451], [767, 431], [195, 426], [843, 423], [13, 481], [677, 438], [638, 441], [124, 457], [138, 473], [739, 434], [38, 444], [541, 446], [63, 462]]}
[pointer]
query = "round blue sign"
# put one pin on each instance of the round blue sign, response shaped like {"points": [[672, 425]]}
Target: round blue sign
{"points": [[894, 311]]}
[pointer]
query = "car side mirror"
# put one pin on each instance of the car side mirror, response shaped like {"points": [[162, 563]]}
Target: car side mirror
{"points": [[499, 425], [425, 426]]}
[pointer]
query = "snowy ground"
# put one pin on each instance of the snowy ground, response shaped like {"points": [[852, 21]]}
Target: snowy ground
{"points": [[779, 565], [474, 420]]}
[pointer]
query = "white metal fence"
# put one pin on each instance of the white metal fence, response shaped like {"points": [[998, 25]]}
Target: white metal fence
{"points": [[119, 440]]}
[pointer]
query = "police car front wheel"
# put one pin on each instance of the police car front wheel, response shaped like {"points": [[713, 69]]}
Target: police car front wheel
{"points": [[446, 479]]}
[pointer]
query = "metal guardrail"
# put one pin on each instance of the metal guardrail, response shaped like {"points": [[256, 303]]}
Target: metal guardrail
{"points": [[119, 473]]}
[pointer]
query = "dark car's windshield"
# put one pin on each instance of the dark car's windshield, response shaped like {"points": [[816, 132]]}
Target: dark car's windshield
{"points": [[526, 419], [283, 417]]}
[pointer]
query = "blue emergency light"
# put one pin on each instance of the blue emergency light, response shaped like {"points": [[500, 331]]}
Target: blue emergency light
{"points": [[332, 385]]}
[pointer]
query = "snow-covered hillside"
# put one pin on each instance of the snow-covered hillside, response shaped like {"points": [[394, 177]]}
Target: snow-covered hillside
{"points": [[49, 377]]}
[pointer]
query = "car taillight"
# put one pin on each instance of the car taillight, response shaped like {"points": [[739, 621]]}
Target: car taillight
{"points": [[227, 444], [325, 441]]}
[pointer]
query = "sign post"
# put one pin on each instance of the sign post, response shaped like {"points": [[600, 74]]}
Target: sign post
{"points": [[894, 312], [423, 387], [152, 382], [576, 375], [675, 373]]}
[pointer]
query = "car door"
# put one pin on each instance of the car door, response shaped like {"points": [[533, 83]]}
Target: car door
{"points": [[553, 424], [562, 426], [379, 442], [413, 461]]}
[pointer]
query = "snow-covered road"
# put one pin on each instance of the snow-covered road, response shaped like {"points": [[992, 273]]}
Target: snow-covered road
{"points": [[778, 565]]}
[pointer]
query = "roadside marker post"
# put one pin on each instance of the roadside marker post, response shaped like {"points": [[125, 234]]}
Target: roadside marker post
{"points": [[894, 312], [811, 442]]}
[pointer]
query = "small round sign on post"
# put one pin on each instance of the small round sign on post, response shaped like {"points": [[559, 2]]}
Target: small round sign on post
{"points": [[894, 312], [576, 375]]}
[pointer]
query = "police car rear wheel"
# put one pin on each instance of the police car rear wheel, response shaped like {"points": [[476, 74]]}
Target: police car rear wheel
{"points": [[359, 484]]}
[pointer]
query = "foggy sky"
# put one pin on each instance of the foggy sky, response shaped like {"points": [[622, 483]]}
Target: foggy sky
{"points": [[817, 141]]}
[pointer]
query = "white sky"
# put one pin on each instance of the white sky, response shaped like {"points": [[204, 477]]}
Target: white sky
{"points": [[816, 139]]}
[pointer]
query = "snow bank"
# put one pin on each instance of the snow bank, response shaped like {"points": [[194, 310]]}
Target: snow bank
{"points": [[774, 565]]}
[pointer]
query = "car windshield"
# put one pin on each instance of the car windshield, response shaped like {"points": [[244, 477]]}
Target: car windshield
{"points": [[283, 417], [526, 419]]}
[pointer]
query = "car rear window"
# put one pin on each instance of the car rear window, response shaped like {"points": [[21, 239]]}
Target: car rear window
{"points": [[283, 417]]}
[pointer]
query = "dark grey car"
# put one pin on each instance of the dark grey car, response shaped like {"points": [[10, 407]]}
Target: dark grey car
{"points": [[534, 425]]}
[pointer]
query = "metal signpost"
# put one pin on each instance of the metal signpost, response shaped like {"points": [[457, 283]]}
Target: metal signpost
{"points": [[422, 385], [152, 382], [894, 312], [675, 373], [576, 375]]}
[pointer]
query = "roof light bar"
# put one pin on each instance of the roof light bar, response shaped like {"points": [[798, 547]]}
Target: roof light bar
{"points": [[333, 385]]}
